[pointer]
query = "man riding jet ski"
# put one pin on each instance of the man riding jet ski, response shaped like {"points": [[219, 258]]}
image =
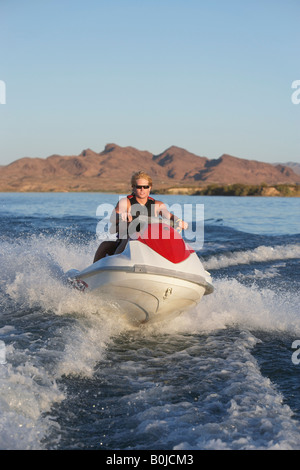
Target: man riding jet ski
{"points": [[131, 207], [151, 273]]}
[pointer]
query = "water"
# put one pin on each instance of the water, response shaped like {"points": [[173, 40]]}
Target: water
{"points": [[222, 376]]}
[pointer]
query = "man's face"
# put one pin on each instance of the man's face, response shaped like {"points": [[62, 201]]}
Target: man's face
{"points": [[142, 188]]}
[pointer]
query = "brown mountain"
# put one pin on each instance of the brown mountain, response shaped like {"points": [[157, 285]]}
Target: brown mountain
{"points": [[111, 170], [293, 165]]}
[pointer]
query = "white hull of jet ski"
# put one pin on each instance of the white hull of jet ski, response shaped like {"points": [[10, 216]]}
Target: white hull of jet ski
{"points": [[145, 285]]}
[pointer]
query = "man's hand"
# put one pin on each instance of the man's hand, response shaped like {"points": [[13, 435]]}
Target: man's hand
{"points": [[181, 224], [125, 216]]}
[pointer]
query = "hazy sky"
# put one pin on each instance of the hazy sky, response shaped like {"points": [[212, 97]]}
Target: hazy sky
{"points": [[210, 76]]}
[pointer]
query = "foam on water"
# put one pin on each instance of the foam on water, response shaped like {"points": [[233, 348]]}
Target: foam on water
{"points": [[261, 253], [250, 411], [40, 347], [224, 401], [51, 332]]}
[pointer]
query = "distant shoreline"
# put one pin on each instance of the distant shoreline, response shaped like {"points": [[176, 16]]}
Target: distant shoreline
{"points": [[263, 190], [259, 190]]}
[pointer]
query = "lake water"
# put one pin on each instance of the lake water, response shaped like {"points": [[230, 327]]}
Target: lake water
{"points": [[225, 375]]}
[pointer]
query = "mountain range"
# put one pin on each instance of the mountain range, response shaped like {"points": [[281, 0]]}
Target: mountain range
{"points": [[111, 170]]}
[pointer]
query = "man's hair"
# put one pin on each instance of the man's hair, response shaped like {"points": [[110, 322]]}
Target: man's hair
{"points": [[140, 175]]}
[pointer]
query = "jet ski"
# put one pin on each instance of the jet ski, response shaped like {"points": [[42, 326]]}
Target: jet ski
{"points": [[157, 276]]}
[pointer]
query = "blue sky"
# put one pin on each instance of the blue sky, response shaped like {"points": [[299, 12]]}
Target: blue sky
{"points": [[210, 76]]}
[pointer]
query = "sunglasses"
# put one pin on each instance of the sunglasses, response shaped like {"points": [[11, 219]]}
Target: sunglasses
{"points": [[141, 186]]}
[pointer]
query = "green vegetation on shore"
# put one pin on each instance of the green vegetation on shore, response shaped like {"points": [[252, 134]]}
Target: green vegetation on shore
{"points": [[238, 189]]}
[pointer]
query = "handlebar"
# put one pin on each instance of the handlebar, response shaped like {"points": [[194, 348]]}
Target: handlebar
{"points": [[144, 219]]}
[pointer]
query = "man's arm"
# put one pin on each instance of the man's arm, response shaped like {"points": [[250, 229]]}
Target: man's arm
{"points": [[121, 213], [163, 211]]}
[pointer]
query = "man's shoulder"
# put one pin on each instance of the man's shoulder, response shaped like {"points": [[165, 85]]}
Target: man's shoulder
{"points": [[158, 202], [123, 201]]}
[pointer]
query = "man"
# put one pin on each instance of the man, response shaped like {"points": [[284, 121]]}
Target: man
{"points": [[129, 208]]}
